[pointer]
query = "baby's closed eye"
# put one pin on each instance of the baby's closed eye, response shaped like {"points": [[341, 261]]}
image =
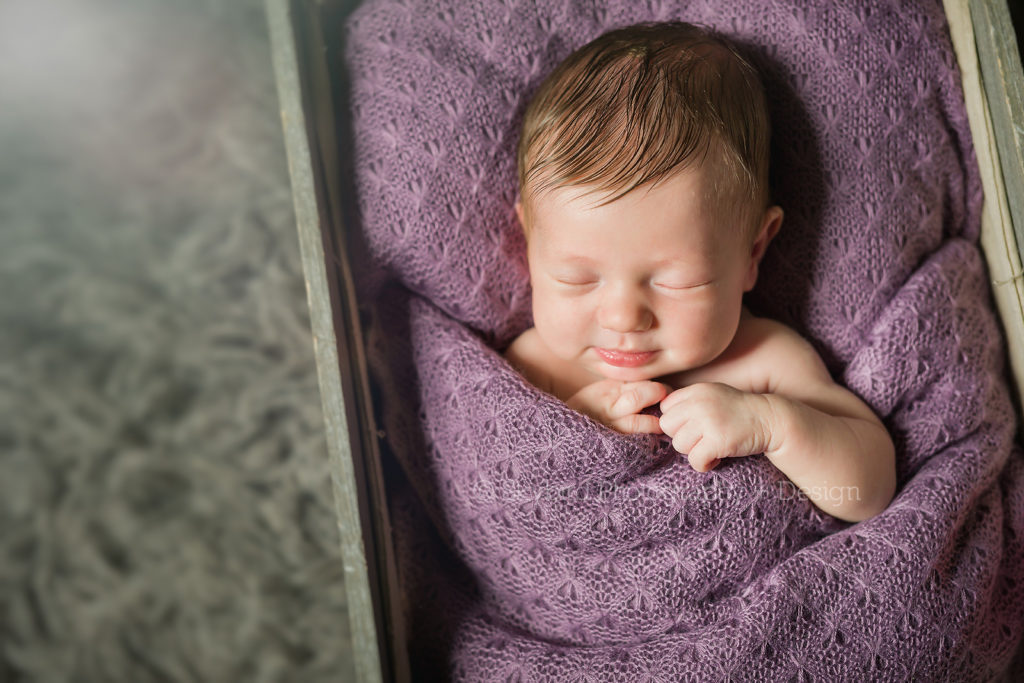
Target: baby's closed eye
{"points": [[681, 284], [575, 281]]}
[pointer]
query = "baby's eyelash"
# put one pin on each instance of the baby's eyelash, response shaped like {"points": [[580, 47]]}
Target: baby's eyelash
{"points": [[574, 279], [674, 286]]}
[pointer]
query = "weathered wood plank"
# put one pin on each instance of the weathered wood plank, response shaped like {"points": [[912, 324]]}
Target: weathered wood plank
{"points": [[304, 89], [332, 159], [998, 239], [1001, 75]]}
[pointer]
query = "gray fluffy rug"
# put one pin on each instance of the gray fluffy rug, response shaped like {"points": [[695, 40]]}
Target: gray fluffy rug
{"points": [[165, 513]]}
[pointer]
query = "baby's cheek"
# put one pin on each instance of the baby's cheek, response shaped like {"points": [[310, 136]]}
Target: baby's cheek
{"points": [[562, 326], [699, 336]]}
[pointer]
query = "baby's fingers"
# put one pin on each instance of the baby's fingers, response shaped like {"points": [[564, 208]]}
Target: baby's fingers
{"points": [[673, 399], [672, 420], [701, 453], [637, 424], [635, 396], [702, 459]]}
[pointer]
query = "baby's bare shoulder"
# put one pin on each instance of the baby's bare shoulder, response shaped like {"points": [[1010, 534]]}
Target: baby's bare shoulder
{"points": [[769, 334], [525, 354], [531, 358], [783, 354], [534, 360], [795, 369]]}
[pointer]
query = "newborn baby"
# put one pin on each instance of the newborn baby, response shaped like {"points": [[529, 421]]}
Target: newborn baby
{"points": [[643, 178]]}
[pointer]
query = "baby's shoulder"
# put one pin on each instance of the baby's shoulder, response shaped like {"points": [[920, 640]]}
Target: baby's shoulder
{"points": [[530, 357], [777, 351], [525, 355], [767, 334]]}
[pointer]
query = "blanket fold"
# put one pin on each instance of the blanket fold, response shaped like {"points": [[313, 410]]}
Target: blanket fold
{"points": [[578, 536]]}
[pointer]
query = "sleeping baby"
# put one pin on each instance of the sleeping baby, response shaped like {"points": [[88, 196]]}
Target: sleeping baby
{"points": [[643, 177]]}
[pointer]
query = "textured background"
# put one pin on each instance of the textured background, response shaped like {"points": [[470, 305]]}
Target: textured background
{"points": [[165, 512]]}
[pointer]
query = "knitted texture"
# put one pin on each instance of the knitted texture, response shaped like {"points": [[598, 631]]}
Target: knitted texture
{"points": [[536, 544]]}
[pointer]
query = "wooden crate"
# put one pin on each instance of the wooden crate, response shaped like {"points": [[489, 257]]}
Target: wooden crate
{"points": [[311, 87]]}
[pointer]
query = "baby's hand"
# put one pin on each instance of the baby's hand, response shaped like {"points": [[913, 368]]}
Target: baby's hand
{"points": [[708, 422], [618, 404]]}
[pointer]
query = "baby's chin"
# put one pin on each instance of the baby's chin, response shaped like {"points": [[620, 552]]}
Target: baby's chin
{"points": [[640, 374]]}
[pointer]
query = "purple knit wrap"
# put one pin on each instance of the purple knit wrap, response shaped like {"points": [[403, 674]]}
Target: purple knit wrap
{"points": [[535, 544]]}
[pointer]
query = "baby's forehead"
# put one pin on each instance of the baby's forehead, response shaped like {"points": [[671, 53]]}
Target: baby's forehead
{"points": [[711, 180], [693, 183]]}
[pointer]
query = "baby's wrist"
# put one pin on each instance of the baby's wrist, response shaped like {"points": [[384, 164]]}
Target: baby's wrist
{"points": [[778, 415]]}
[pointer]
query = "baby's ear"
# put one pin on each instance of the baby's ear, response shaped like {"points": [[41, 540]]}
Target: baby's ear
{"points": [[768, 229], [521, 213]]}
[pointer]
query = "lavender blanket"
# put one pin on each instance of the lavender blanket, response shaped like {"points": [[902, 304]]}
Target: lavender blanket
{"points": [[535, 544]]}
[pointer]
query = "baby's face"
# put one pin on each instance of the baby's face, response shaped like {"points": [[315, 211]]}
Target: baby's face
{"points": [[646, 286]]}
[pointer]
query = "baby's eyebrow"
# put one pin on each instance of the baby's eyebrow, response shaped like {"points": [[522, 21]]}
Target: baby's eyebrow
{"points": [[695, 261], [573, 258], [569, 257]]}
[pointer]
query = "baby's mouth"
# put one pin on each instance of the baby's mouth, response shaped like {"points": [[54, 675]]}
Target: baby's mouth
{"points": [[625, 359]]}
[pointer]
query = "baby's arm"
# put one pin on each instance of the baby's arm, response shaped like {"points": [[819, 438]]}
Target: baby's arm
{"points": [[820, 435]]}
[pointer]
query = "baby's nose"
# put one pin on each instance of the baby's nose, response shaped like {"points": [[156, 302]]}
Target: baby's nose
{"points": [[621, 313]]}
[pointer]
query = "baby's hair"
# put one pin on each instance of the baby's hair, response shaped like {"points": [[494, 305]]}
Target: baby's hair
{"points": [[639, 103]]}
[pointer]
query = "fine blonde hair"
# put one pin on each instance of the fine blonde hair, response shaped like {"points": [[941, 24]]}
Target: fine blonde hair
{"points": [[638, 104]]}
